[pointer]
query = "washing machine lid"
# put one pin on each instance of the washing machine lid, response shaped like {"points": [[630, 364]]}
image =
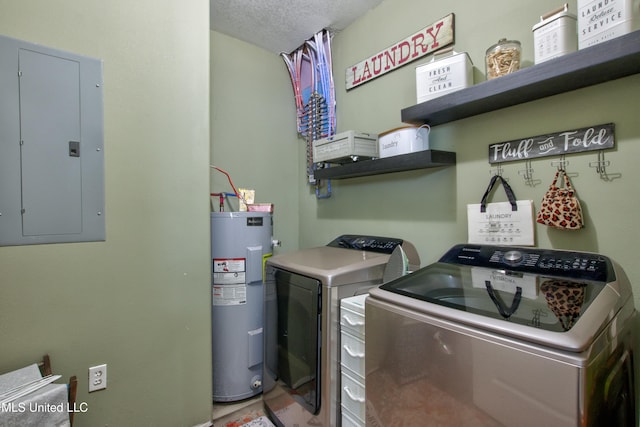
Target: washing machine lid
{"points": [[559, 298]]}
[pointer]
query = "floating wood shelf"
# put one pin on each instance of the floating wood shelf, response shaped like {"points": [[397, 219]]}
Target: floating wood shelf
{"points": [[419, 160], [603, 62], [616, 58]]}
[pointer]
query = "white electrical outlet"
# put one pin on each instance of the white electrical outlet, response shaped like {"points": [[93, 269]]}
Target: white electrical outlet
{"points": [[97, 378]]}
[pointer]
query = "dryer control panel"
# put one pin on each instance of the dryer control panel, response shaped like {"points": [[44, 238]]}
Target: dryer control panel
{"points": [[384, 245], [583, 265]]}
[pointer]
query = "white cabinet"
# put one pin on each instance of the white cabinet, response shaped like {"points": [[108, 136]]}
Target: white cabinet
{"points": [[352, 361]]}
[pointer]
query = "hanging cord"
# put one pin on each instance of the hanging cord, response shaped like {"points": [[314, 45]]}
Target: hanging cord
{"points": [[221, 197], [310, 70], [294, 65], [313, 125], [324, 106], [297, 66], [319, 50], [332, 87], [330, 95], [236, 193]]}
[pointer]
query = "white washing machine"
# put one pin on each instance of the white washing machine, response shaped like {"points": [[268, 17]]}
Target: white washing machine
{"points": [[302, 327], [503, 336]]}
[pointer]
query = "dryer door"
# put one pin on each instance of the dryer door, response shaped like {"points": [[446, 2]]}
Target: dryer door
{"points": [[299, 316]]}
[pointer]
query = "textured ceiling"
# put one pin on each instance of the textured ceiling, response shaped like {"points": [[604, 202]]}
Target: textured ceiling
{"points": [[283, 25]]}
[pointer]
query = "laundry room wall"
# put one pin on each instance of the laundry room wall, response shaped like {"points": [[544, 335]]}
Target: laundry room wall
{"points": [[139, 301], [253, 131], [428, 207]]}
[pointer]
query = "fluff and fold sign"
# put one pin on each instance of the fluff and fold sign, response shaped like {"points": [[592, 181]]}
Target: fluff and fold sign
{"points": [[428, 40], [591, 138]]}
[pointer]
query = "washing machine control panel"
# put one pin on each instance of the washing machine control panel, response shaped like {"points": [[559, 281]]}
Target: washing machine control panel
{"points": [[384, 245], [583, 265]]}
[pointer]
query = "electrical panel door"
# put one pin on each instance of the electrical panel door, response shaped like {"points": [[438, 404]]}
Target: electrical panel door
{"points": [[49, 126], [51, 146]]}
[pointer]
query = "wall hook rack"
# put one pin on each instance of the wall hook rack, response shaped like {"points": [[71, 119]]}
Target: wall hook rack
{"points": [[527, 174], [497, 171], [601, 168], [557, 144], [561, 164]]}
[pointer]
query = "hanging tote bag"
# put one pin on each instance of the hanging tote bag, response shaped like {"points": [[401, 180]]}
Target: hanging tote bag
{"points": [[565, 299], [560, 208], [504, 223]]}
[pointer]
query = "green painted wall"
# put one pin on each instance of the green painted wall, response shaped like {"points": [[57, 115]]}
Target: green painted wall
{"points": [[139, 301], [253, 131], [428, 207]]}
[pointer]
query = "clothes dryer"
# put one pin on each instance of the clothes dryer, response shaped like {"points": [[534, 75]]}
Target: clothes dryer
{"points": [[302, 327]]}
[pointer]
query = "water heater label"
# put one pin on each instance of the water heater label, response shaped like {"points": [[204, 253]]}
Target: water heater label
{"points": [[228, 271], [229, 265], [254, 221], [229, 294], [229, 278]]}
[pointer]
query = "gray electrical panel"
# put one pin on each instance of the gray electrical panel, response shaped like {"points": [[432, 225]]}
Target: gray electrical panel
{"points": [[51, 146]]}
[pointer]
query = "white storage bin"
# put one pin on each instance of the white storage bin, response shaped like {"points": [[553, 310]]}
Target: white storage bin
{"points": [[404, 140], [555, 35], [599, 20], [442, 76], [351, 321], [352, 315], [352, 354], [349, 420], [345, 147], [355, 304], [353, 397]]}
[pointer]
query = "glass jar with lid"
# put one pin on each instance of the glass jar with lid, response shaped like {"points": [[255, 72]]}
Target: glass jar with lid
{"points": [[502, 58]]}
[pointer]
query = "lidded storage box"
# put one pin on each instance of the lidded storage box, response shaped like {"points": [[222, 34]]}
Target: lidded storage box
{"points": [[443, 76], [602, 20], [345, 147], [555, 35], [404, 140]]}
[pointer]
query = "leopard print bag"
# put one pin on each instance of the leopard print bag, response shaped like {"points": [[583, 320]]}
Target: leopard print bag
{"points": [[560, 208], [565, 299]]}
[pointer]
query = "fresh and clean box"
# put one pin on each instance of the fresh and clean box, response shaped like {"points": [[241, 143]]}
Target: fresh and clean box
{"points": [[555, 35], [404, 140], [345, 147], [446, 75], [602, 20]]}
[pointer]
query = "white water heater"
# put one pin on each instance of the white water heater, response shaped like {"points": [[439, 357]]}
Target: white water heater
{"points": [[241, 242]]}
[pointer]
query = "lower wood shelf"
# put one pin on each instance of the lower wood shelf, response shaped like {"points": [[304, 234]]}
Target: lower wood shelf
{"points": [[419, 160]]}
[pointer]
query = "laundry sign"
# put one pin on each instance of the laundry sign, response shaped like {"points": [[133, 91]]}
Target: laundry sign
{"points": [[428, 40], [596, 137]]}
